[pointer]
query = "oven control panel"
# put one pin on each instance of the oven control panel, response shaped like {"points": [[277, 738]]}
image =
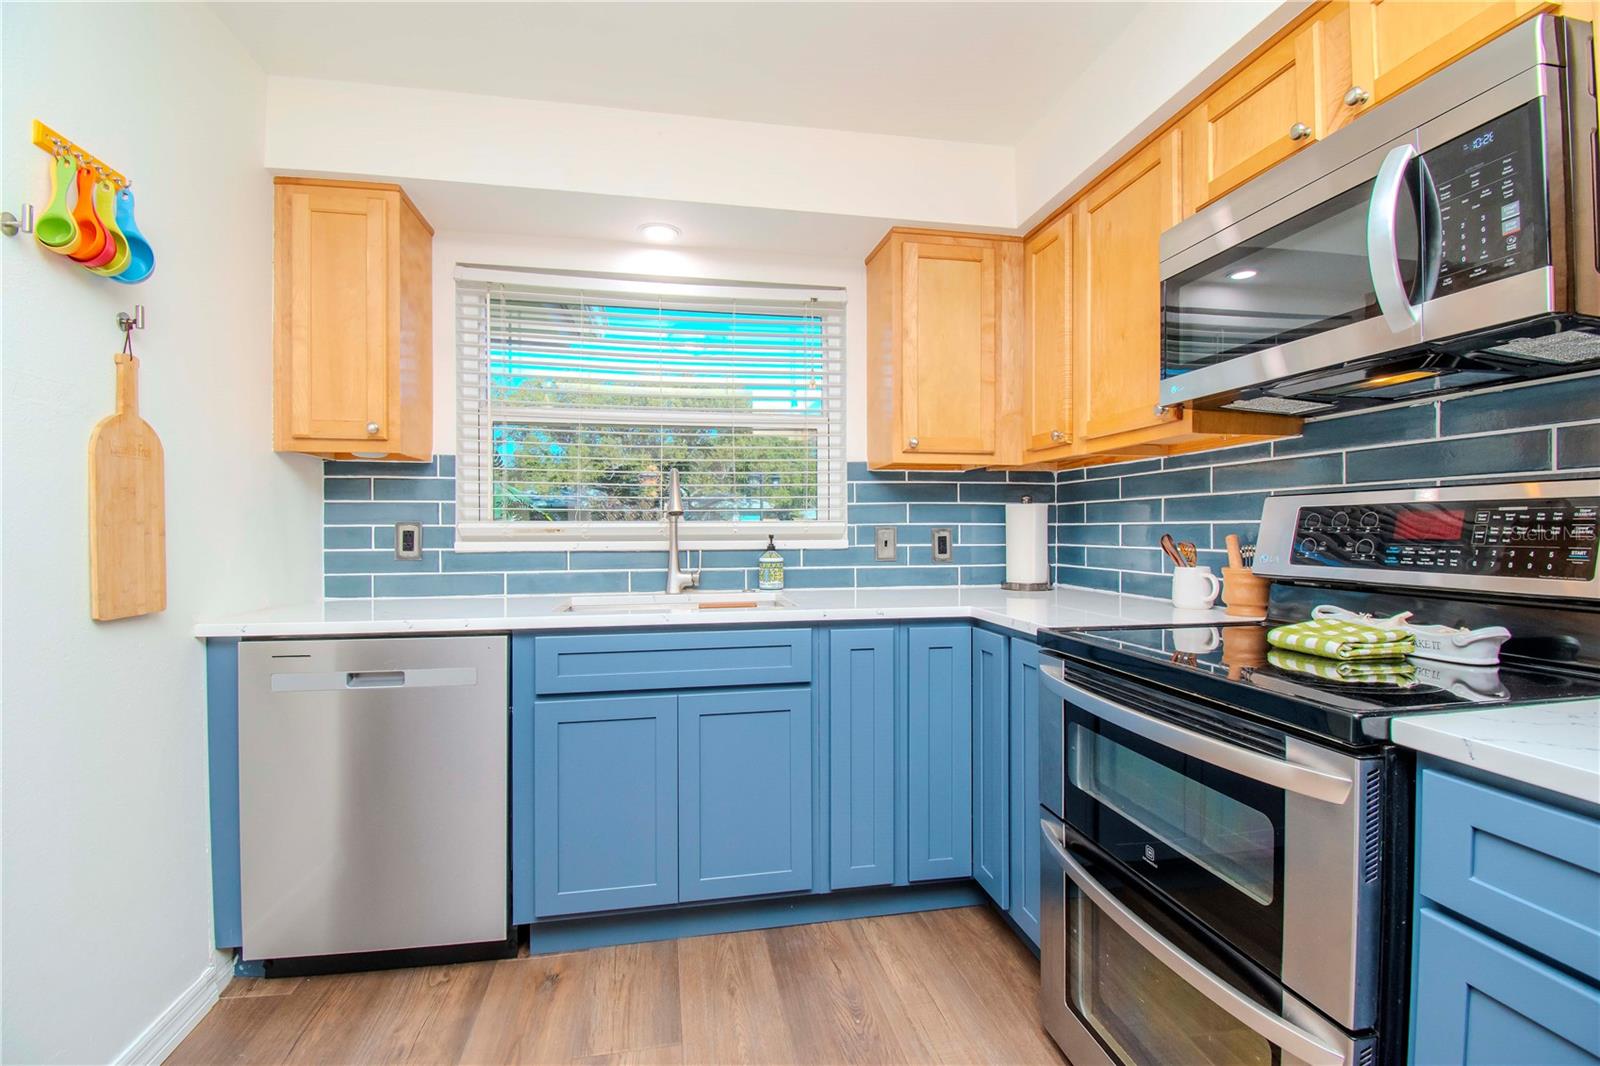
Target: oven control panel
{"points": [[1543, 538]]}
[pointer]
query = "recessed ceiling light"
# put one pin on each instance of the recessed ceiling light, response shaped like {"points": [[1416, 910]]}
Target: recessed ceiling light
{"points": [[660, 232], [1242, 275]]}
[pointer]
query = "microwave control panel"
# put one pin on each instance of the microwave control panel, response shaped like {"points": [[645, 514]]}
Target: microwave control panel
{"points": [[1491, 188], [1551, 538]]}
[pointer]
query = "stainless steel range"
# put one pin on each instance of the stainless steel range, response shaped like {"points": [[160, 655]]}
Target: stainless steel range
{"points": [[1226, 831]]}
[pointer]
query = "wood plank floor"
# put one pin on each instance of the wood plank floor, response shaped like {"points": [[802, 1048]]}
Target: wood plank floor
{"points": [[953, 986]]}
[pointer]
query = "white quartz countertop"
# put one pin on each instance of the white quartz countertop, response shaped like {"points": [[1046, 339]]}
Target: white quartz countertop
{"points": [[1025, 612], [1549, 745]]}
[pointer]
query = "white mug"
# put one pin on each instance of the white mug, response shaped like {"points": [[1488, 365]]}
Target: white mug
{"points": [[1194, 588], [1196, 640]]}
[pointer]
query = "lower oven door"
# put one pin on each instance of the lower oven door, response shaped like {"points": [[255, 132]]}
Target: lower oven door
{"points": [[1128, 983]]}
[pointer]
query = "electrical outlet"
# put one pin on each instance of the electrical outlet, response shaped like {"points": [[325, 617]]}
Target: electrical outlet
{"points": [[941, 545], [408, 540], [885, 537]]}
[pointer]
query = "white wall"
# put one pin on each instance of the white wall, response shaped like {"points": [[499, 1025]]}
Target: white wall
{"points": [[401, 134], [615, 258], [105, 902], [1163, 58]]}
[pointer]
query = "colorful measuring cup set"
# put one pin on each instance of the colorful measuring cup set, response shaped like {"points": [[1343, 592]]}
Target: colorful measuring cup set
{"points": [[97, 231]]}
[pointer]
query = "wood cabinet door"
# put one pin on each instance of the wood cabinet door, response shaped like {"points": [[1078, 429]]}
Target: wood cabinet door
{"points": [[1263, 114], [1116, 335], [991, 758], [949, 355], [605, 803], [744, 792], [861, 761], [939, 752], [1047, 285], [333, 311], [1395, 43]]}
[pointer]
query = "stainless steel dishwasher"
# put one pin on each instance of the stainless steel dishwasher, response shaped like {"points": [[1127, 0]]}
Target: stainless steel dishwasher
{"points": [[372, 801]]}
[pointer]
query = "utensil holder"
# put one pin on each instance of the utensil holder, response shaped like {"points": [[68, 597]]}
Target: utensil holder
{"points": [[1243, 592]]}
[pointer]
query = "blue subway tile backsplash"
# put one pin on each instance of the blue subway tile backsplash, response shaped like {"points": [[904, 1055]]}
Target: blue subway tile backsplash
{"points": [[364, 499], [1106, 521]]}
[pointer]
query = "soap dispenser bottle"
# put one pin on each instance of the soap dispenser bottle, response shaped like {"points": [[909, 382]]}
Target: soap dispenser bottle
{"points": [[770, 569]]}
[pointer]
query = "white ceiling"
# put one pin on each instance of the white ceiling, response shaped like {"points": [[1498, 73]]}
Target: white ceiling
{"points": [[981, 72]]}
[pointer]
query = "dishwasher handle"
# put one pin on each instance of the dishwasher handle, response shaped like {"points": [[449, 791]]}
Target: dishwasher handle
{"points": [[380, 680]]}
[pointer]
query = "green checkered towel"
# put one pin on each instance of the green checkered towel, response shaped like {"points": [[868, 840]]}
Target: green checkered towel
{"points": [[1339, 638], [1397, 672]]}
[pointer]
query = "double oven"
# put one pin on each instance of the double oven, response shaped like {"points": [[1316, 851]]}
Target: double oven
{"points": [[1215, 890]]}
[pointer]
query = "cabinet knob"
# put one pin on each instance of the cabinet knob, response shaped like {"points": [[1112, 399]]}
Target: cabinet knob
{"points": [[1299, 131], [912, 443], [1356, 96], [1057, 435], [372, 429]]}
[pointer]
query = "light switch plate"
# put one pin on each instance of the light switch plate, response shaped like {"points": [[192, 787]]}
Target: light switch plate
{"points": [[408, 540], [886, 540], [942, 541]]}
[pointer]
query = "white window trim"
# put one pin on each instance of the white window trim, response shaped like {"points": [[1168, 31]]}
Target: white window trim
{"points": [[489, 536]]}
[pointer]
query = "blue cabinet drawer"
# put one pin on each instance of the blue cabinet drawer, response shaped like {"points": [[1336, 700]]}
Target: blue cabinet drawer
{"points": [[631, 662], [1480, 1001], [1528, 870]]}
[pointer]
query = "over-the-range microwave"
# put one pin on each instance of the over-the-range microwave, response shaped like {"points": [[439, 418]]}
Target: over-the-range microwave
{"points": [[1445, 240]]}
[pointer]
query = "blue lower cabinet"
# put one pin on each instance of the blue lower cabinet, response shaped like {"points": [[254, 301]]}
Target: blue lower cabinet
{"points": [[991, 757], [1481, 1001], [939, 755], [744, 792], [861, 759], [1025, 786], [605, 806]]}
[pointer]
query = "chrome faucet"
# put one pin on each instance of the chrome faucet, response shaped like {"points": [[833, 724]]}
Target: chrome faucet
{"points": [[678, 579]]}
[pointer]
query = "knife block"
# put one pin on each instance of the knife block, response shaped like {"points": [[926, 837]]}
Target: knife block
{"points": [[1243, 592]]}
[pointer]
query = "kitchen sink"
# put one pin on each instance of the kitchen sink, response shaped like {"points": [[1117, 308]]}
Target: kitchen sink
{"points": [[661, 603]]}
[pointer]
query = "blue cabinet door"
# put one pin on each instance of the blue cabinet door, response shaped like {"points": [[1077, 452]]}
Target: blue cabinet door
{"points": [[939, 755], [605, 803], [1479, 1001], [1025, 786], [991, 757], [861, 757], [744, 792]]}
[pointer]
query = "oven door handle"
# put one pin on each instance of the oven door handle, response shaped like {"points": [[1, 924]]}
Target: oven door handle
{"points": [[1383, 243], [1279, 773], [1295, 1041]]}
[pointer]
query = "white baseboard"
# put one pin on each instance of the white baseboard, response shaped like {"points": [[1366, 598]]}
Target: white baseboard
{"points": [[179, 1019]]}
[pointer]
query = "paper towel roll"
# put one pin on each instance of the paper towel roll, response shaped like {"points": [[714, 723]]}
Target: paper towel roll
{"points": [[1027, 545]]}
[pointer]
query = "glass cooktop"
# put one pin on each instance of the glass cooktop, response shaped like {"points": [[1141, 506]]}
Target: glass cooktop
{"points": [[1233, 665]]}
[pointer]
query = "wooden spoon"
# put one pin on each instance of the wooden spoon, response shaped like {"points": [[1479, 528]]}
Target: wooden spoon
{"points": [[1171, 549]]}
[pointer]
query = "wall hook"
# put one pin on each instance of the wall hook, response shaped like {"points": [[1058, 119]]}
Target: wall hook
{"points": [[128, 323], [11, 225]]}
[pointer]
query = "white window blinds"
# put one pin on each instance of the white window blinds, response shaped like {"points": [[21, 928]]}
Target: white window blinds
{"points": [[575, 398]]}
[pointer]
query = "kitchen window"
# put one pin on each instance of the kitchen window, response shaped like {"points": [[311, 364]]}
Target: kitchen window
{"points": [[577, 394]]}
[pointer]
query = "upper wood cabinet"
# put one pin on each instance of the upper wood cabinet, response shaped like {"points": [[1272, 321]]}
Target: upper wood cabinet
{"points": [[1396, 43], [1290, 96], [1047, 377], [943, 321], [1116, 337], [353, 315]]}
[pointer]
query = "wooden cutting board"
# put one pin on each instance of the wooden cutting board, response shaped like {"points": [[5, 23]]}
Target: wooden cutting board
{"points": [[127, 509]]}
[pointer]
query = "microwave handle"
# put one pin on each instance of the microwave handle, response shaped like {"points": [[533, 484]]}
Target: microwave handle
{"points": [[1279, 773], [1383, 244], [1295, 1041]]}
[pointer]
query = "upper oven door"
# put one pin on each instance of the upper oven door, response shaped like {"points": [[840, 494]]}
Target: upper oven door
{"points": [[1328, 273], [1271, 842]]}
